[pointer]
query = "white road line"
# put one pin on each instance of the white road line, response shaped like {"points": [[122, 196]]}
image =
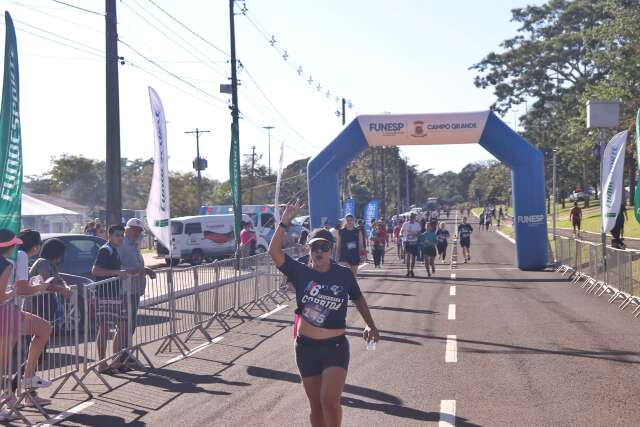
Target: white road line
{"points": [[452, 289], [66, 414], [452, 312], [488, 269], [274, 311], [453, 276], [447, 413], [505, 236], [451, 352], [194, 351]]}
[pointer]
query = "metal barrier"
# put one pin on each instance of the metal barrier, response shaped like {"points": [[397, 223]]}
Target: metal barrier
{"points": [[112, 320]]}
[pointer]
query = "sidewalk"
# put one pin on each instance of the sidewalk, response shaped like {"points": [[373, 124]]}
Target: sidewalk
{"points": [[151, 260]]}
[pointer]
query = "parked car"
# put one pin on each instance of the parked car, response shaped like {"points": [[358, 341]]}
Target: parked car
{"points": [[200, 237], [80, 253]]}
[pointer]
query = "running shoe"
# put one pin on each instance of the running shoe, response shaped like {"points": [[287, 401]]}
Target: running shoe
{"points": [[7, 414], [434, 269], [35, 382], [408, 274]]}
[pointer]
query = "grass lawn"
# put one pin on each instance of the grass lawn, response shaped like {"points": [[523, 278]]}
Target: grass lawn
{"points": [[591, 219]]}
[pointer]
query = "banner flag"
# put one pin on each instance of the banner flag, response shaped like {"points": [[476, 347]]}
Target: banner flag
{"points": [[234, 181], [371, 211], [637, 194], [349, 207], [276, 203], [158, 206], [10, 136], [612, 175]]}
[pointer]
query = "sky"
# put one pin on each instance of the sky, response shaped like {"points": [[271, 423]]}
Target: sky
{"points": [[400, 56]]}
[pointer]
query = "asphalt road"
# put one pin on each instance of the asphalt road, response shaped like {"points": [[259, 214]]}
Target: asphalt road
{"points": [[531, 351]]}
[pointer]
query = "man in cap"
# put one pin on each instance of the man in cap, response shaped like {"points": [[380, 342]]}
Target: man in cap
{"points": [[133, 262]]}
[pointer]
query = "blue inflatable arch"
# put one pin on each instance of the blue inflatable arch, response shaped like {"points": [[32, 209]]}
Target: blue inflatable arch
{"points": [[484, 128]]}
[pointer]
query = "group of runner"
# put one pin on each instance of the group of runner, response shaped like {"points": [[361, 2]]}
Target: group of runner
{"points": [[486, 217]]}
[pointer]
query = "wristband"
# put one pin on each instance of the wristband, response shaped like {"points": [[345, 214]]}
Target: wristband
{"points": [[285, 226]]}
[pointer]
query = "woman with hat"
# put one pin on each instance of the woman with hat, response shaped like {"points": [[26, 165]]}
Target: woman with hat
{"points": [[15, 322], [322, 292]]}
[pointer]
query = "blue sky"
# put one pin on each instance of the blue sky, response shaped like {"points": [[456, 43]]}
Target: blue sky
{"points": [[404, 56]]}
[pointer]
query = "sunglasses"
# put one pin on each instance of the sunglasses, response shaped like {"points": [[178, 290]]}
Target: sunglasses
{"points": [[320, 247]]}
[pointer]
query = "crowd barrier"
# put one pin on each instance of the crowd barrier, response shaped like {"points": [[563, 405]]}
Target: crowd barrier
{"points": [[113, 321], [616, 273]]}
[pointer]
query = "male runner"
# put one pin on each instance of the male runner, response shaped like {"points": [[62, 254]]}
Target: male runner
{"points": [[576, 218], [464, 234]]}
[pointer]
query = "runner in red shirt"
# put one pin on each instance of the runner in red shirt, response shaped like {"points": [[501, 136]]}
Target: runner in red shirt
{"points": [[576, 218]]}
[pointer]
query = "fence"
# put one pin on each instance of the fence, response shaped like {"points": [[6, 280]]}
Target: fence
{"points": [[113, 321], [616, 274]]}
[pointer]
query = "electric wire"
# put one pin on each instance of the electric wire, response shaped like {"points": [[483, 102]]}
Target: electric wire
{"points": [[69, 21], [78, 7]]}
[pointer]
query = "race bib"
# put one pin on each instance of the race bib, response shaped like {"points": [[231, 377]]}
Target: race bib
{"points": [[352, 245], [315, 314]]}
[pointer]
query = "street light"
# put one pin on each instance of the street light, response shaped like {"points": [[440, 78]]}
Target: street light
{"points": [[268, 128]]}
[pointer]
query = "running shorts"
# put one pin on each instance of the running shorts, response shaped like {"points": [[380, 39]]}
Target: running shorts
{"points": [[442, 247], [411, 248], [465, 243], [576, 224], [314, 356], [429, 250], [352, 258]]}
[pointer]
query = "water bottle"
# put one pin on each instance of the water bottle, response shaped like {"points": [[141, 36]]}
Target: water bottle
{"points": [[371, 345]]}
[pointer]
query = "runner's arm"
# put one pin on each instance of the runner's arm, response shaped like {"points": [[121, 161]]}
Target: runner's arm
{"points": [[371, 332], [275, 246]]}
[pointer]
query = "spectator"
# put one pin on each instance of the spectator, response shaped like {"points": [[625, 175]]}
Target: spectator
{"points": [[132, 261], [90, 228], [15, 322], [247, 238], [109, 310], [100, 231]]}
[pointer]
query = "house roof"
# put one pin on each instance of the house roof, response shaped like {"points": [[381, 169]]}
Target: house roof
{"points": [[35, 207]]}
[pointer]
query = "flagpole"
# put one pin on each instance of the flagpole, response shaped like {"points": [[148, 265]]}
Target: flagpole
{"points": [[603, 234]]}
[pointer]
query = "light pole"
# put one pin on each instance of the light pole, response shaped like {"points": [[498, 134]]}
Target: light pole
{"points": [[268, 128], [555, 191]]}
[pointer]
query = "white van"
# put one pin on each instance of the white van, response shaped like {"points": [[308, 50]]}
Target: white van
{"points": [[196, 238]]}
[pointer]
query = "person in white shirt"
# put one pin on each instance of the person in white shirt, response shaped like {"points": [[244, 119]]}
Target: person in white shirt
{"points": [[409, 233]]}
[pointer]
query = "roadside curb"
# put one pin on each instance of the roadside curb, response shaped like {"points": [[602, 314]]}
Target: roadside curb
{"points": [[505, 236]]}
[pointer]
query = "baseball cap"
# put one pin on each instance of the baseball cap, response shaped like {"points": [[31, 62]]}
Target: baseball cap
{"points": [[319, 234], [135, 222], [8, 238]]}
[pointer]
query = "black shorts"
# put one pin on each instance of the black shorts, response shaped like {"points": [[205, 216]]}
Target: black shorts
{"points": [[576, 224], [411, 248], [314, 356], [352, 258], [429, 250], [465, 243], [442, 246]]}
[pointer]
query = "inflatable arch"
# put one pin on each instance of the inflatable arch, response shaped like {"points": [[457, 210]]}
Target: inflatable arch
{"points": [[484, 128]]}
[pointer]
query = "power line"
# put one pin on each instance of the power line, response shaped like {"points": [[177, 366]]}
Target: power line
{"points": [[171, 73], [78, 7], [208, 63], [189, 29], [58, 35], [37, 10]]}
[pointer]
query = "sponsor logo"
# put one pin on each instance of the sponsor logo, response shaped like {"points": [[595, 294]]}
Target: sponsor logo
{"points": [[450, 126], [418, 129], [531, 219], [13, 167], [388, 128]]}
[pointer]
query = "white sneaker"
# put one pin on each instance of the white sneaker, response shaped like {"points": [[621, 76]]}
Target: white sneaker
{"points": [[35, 382], [7, 414]]}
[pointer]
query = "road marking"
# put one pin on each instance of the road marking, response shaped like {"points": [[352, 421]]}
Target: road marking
{"points": [[274, 311], [489, 269], [505, 236], [193, 351], [453, 276], [447, 413], [66, 414], [361, 266], [452, 312], [452, 290], [451, 352]]}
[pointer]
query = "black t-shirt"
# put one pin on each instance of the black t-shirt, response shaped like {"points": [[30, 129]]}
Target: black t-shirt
{"points": [[349, 240], [443, 235], [322, 297], [464, 231], [109, 259]]}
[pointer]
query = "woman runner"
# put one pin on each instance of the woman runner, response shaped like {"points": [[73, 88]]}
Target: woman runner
{"points": [[443, 241], [410, 231], [322, 290], [350, 244], [428, 241]]}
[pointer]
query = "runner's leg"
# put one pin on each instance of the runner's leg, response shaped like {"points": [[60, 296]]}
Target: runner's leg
{"points": [[333, 379], [312, 386], [40, 330]]}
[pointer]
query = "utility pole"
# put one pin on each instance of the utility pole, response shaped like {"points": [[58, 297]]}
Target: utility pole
{"points": [[113, 172], [234, 84], [406, 165], [344, 117], [268, 128], [253, 173], [199, 164], [555, 191]]}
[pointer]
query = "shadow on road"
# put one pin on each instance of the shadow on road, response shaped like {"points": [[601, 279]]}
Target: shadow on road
{"points": [[401, 309], [257, 371], [388, 293], [519, 280]]}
